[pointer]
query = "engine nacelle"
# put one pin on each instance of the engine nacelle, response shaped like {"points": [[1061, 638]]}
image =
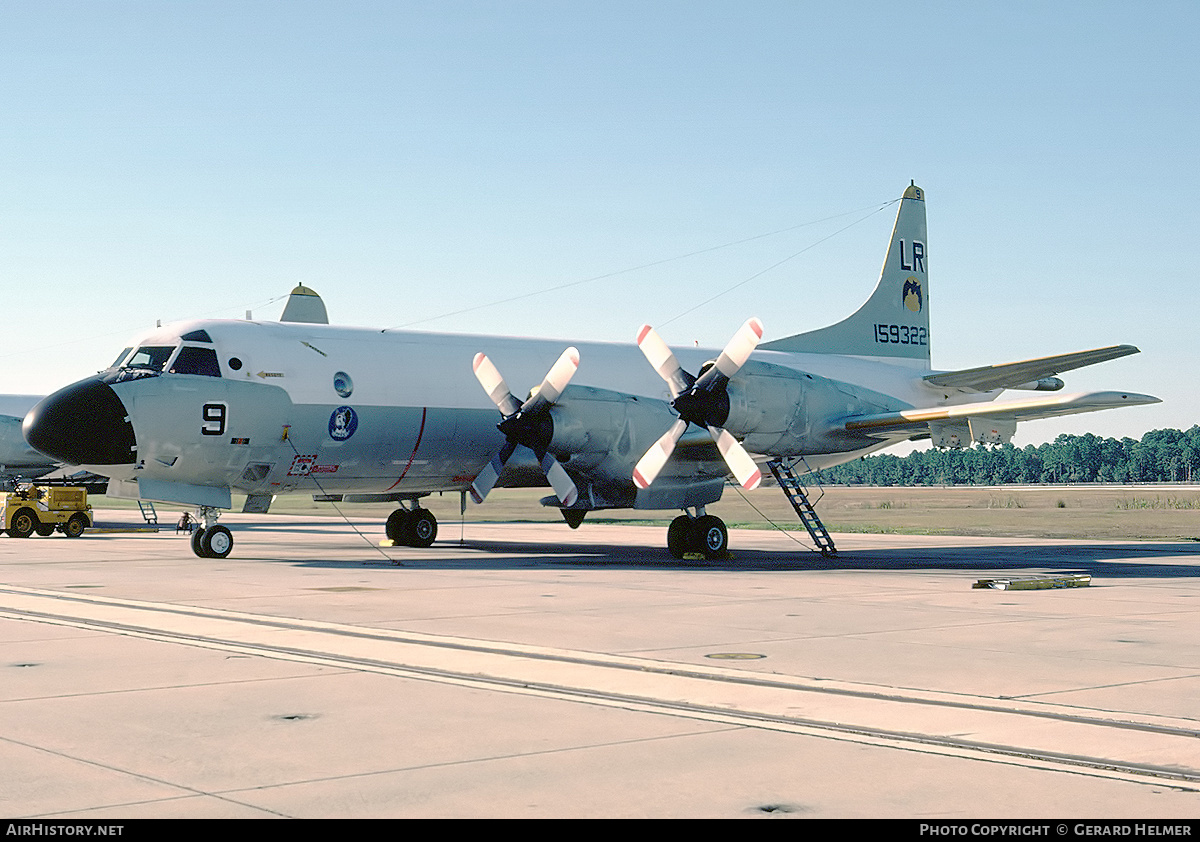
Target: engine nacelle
{"points": [[591, 424], [600, 435], [787, 412]]}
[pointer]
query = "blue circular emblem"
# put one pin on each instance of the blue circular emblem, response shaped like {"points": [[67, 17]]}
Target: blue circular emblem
{"points": [[343, 423]]}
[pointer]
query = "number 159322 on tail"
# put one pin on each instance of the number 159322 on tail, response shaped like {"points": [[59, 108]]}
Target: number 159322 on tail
{"points": [[901, 334]]}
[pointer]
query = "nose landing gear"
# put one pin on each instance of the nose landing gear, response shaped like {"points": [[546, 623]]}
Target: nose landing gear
{"points": [[211, 540]]}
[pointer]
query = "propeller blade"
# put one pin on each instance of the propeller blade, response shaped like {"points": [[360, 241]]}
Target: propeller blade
{"points": [[740, 464], [489, 378], [560, 481], [648, 467], [663, 360], [735, 353], [556, 381], [491, 472], [523, 424]]}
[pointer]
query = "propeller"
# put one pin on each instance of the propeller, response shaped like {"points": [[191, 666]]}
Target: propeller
{"points": [[526, 424], [702, 401]]}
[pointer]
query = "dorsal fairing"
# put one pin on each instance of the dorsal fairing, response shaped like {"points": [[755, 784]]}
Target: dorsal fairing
{"points": [[894, 321], [304, 305]]}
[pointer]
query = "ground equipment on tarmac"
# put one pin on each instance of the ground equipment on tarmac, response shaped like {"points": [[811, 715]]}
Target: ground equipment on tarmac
{"points": [[45, 509]]}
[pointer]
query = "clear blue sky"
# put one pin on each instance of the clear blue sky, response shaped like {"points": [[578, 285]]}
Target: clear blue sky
{"points": [[166, 160]]}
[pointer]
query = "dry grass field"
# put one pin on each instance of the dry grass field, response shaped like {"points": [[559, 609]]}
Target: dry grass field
{"points": [[1100, 512], [1165, 513]]}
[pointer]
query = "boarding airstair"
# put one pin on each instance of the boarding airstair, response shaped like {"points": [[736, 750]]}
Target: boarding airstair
{"points": [[798, 496], [148, 512]]}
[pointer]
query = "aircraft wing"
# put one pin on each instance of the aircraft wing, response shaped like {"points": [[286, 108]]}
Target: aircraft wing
{"points": [[918, 421], [1011, 375]]}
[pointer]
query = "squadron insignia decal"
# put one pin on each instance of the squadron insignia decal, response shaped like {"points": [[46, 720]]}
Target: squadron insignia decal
{"points": [[911, 294], [343, 423]]}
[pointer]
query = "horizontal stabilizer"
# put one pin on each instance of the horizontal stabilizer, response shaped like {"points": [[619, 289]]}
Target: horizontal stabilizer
{"points": [[1013, 375], [917, 421]]}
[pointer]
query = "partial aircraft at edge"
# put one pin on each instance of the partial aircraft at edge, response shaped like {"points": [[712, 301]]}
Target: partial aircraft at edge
{"points": [[196, 410], [18, 461]]}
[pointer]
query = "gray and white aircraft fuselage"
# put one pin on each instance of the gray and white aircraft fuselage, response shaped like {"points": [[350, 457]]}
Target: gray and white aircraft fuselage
{"points": [[17, 459], [194, 411]]}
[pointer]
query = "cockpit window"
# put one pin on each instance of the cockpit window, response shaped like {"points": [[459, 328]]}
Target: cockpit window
{"points": [[120, 357], [196, 336], [202, 361], [153, 357]]}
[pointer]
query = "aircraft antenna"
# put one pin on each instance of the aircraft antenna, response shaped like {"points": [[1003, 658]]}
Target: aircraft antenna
{"points": [[777, 264], [763, 515], [358, 531], [649, 265]]}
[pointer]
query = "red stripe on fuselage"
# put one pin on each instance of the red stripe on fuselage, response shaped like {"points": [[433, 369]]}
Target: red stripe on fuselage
{"points": [[420, 435]]}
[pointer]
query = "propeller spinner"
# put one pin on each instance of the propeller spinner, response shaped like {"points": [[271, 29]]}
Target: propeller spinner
{"points": [[702, 401], [526, 424]]}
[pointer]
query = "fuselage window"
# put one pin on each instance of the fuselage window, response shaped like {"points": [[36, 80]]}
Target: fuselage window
{"points": [[153, 357], [202, 361]]}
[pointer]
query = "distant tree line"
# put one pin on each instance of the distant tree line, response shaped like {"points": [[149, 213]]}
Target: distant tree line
{"points": [[1161, 456]]}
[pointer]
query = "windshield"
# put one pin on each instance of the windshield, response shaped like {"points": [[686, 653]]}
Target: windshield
{"points": [[120, 357], [153, 357]]}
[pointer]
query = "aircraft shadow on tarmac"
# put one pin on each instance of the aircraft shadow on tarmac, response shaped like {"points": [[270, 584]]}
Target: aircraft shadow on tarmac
{"points": [[1102, 560]]}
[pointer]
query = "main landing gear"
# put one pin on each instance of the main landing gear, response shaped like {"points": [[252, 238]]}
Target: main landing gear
{"points": [[411, 527], [211, 540], [704, 534]]}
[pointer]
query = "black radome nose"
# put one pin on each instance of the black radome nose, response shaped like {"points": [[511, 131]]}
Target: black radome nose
{"points": [[82, 424]]}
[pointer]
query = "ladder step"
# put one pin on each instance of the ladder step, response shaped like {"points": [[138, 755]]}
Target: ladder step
{"points": [[797, 495]]}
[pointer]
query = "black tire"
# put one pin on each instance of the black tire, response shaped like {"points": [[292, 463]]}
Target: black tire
{"points": [[196, 546], [45, 529], [680, 537], [216, 541], [396, 528], [713, 537], [74, 527], [23, 523], [422, 528]]}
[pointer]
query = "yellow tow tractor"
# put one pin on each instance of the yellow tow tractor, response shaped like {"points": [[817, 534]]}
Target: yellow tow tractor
{"points": [[43, 509]]}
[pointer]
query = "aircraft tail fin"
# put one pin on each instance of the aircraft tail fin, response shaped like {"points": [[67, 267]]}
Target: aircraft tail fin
{"points": [[894, 322]]}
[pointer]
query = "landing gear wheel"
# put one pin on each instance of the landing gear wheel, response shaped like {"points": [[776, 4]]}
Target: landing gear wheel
{"points": [[74, 527], [396, 527], [216, 542], [23, 524], [422, 528], [713, 537], [196, 548], [679, 536]]}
